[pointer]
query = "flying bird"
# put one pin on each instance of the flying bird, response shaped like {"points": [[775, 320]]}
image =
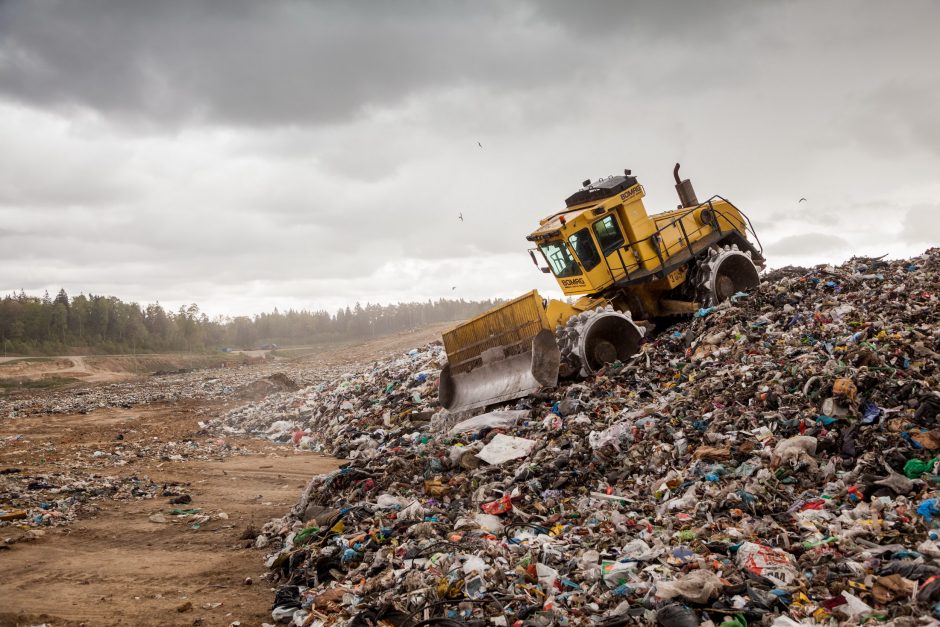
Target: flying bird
{"points": [[453, 288], [801, 200], [460, 215], [479, 144]]}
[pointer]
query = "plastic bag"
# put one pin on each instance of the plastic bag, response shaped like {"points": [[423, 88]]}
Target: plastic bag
{"points": [[773, 564], [504, 448]]}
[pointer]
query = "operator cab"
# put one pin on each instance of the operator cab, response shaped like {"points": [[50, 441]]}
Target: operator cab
{"points": [[583, 243]]}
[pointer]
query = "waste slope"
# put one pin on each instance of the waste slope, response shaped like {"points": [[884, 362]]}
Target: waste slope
{"points": [[771, 461]]}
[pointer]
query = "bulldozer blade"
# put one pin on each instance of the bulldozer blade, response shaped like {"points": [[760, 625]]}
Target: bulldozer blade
{"points": [[500, 378]]}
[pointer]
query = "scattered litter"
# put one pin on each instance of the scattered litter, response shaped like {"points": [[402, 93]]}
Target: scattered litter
{"points": [[765, 462]]}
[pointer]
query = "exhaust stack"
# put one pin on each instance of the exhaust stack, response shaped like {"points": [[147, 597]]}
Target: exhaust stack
{"points": [[684, 189]]}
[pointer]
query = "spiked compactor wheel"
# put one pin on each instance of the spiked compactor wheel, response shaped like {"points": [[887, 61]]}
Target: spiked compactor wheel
{"points": [[594, 338], [725, 272]]}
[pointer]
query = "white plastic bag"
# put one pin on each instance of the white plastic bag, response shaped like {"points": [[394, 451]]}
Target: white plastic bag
{"points": [[504, 448]]}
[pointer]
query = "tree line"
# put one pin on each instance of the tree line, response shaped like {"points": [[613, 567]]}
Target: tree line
{"points": [[31, 325]]}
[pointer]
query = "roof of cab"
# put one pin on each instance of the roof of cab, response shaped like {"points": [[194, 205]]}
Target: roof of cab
{"points": [[552, 225]]}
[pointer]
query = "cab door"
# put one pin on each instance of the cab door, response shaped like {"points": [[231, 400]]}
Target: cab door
{"points": [[595, 267], [611, 242]]}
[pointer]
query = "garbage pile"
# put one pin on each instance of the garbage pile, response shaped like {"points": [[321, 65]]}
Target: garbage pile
{"points": [[37, 498], [775, 460], [57, 498], [351, 412]]}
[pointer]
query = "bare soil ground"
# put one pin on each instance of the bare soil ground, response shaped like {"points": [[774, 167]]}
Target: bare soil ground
{"points": [[85, 369], [114, 566]]}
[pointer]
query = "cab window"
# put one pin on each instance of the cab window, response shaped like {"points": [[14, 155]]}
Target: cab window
{"points": [[561, 261], [608, 234], [585, 249]]}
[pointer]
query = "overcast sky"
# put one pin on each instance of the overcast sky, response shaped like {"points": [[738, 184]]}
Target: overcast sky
{"points": [[247, 155]]}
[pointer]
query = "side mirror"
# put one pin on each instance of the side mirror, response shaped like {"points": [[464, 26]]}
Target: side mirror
{"points": [[536, 262]]}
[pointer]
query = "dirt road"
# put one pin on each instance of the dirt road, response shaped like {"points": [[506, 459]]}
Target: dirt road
{"points": [[119, 568], [89, 369], [115, 565]]}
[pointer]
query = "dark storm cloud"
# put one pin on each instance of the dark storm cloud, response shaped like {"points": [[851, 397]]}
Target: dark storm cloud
{"points": [[652, 20], [285, 62], [242, 153]]}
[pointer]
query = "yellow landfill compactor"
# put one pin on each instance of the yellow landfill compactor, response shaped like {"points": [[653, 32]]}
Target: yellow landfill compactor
{"points": [[628, 269]]}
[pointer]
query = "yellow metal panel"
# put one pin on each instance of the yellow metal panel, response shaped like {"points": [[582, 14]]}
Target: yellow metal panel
{"points": [[694, 228], [638, 228], [681, 226], [553, 223], [728, 217], [558, 312], [511, 326]]}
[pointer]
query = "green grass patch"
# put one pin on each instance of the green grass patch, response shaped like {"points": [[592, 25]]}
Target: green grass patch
{"points": [[14, 384], [25, 360]]}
